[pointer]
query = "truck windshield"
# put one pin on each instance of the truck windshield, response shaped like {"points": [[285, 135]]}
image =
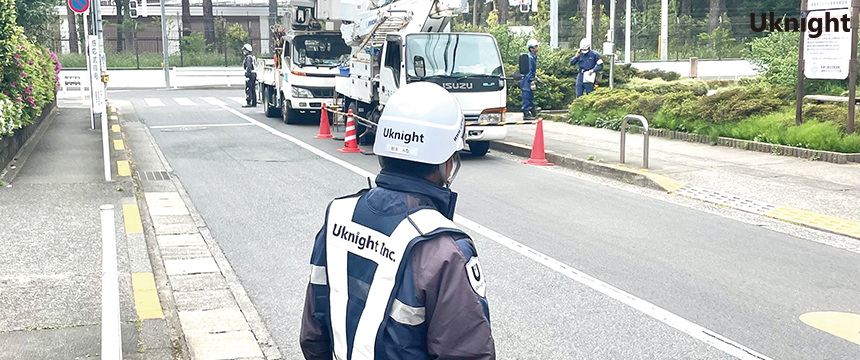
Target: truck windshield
{"points": [[320, 50], [453, 55]]}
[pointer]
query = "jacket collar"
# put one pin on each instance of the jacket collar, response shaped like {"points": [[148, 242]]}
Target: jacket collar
{"points": [[444, 199]]}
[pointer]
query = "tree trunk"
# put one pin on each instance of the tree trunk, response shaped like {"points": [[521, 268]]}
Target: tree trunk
{"points": [[502, 5], [208, 22], [597, 33], [73, 30], [186, 17], [686, 7], [714, 15], [120, 16], [477, 11]]}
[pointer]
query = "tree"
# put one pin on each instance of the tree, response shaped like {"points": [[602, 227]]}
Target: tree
{"points": [[208, 22], [73, 30], [502, 6], [186, 17], [34, 16], [717, 8], [120, 17]]}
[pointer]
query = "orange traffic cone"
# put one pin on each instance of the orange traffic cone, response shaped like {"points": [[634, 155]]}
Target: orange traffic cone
{"points": [[350, 144], [538, 157], [325, 132]]}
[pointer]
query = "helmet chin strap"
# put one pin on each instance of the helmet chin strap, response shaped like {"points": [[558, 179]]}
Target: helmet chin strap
{"points": [[443, 169]]}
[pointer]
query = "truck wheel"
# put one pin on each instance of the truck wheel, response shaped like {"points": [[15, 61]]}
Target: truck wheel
{"points": [[359, 127], [479, 148], [269, 103], [287, 113]]}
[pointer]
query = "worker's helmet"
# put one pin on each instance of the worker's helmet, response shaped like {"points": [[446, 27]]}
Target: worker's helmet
{"points": [[421, 123], [247, 47], [532, 43], [585, 44]]}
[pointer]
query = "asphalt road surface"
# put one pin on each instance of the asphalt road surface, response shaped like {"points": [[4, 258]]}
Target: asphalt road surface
{"points": [[577, 268]]}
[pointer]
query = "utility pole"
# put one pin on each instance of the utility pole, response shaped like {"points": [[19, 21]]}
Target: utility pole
{"points": [[553, 24], [589, 20], [664, 31], [164, 46], [627, 44]]}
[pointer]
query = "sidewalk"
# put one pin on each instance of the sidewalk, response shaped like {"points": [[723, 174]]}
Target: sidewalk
{"points": [[820, 187], [50, 236]]}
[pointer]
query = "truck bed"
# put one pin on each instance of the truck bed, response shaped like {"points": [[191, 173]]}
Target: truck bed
{"points": [[266, 71]]}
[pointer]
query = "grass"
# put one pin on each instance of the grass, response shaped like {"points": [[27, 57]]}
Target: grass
{"points": [[128, 60]]}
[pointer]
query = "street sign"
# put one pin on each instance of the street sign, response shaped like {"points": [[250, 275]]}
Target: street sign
{"points": [[828, 4], [97, 92], [827, 56], [79, 6]]}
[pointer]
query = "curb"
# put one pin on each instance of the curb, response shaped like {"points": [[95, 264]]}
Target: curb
{"points": [[655, 181], [612, 171]]}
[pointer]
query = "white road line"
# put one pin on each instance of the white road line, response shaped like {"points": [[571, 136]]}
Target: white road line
{"points": [[697, 332], [197, 126], [239, 100], [184, 101], [213, 101], [153, 102]]}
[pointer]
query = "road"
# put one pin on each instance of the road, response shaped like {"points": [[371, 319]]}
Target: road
{"points": [[627, 273]]}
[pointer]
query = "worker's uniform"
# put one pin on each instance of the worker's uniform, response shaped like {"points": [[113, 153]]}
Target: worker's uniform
{"points": [[526, 85], [250, 80], [392, 277], [588, 61]]}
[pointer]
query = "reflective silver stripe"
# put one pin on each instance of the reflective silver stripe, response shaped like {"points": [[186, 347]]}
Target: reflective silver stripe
{"points": [[406, 314], [318, 275]]}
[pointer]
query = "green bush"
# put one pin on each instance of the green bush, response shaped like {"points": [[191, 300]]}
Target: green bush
{"points": [[660, 86], [719, 84], [657, 73], [738, 103], [838, 114], [28, 74], [194, 43], [604, 100], [681, 105], [552, 93]]}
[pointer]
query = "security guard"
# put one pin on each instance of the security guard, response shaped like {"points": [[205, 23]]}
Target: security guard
{"points": [[527, 83], [589, 63], [250, 77], [392, 276]]}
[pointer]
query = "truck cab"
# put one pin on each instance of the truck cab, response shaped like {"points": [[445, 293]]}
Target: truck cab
{"points": [[468, 65]]}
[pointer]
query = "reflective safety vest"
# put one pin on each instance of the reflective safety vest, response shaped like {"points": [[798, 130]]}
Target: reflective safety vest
{"points": [[364, 271]]}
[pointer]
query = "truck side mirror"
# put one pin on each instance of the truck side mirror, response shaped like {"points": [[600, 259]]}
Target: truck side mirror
{"points": [[418, 64], [524, 63]]}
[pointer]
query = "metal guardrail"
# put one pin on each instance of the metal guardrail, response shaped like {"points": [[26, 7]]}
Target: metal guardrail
{"points": [[624, 140]]}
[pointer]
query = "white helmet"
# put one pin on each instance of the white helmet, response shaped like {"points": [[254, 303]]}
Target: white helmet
{"points": [[423, 123], [532, 43], [247, 47], [585, 44]]}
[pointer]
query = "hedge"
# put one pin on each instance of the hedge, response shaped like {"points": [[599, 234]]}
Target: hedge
{"points": [[29, 74]]}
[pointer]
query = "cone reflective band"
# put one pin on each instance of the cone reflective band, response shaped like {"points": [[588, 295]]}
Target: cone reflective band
{"points": [[325, 131], [350, 144]]}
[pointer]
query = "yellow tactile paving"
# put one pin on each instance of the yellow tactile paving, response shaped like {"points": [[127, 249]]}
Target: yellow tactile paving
{"points": [[816, 220], [667, 183], [122, 168], [843, 325], [118, 145], [131, 218], [114, 128], [146, 296]]}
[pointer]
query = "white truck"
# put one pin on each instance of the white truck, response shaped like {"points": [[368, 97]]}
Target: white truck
{"points": [[402, 41], [300, 77]]}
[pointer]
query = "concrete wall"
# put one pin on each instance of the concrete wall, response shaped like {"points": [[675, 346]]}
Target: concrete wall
{"points": [[708, 69]]}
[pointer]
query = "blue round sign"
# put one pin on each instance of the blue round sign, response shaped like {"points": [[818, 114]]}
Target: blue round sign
{"points": [[79, 6]]}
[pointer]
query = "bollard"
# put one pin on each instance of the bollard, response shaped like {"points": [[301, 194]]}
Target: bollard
{"points": [[111, 346], [624, 139]]}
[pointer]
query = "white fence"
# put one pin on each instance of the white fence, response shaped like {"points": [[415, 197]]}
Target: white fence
{"points": [[180, 77]]}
